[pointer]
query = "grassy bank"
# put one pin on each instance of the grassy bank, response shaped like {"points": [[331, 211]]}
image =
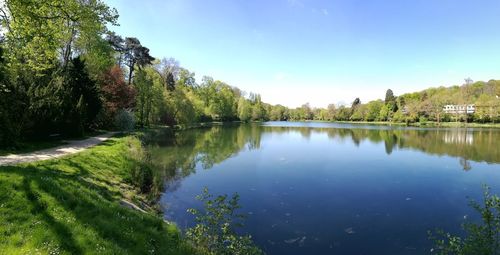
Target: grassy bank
{"points": [[72, 206]]}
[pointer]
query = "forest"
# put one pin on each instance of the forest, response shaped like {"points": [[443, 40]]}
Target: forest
{"points": [[64, 72]]}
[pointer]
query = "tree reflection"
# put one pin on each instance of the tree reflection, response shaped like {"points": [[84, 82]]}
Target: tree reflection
{"points": [[177, 155], [465, 144]]}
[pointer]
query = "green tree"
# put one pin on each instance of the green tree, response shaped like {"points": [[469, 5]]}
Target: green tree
{"points": [[278, 112], [143, 84], [135, 54], [85, 93], [44, 31], [389, 96], [244, 110]]}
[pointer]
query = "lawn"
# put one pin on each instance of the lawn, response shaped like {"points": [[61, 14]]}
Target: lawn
{"points": [[71, 206]]}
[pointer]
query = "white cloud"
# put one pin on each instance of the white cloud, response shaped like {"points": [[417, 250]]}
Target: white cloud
{"points": [[325, 12]]}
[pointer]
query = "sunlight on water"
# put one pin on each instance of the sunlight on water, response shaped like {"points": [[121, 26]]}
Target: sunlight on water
{"points": [[321, 188]]}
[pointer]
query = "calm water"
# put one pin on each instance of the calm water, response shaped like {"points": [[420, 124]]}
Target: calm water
{"points": [[321, 188]]}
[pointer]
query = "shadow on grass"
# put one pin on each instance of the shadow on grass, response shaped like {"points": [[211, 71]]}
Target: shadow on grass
{"points": [[80, 209]]}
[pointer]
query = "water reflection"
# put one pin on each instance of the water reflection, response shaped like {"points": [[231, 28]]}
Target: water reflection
{"points": [[177, 154], [327, 188]]}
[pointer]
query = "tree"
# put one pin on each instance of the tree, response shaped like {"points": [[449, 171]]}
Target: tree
{"points": [[135, 54], [355, 104], [384, 113], [305, 112], [244, 109], [169, 71], [181, 107], [343, 113], [116, 93], [389, 96], [118, 44], [143, 84], [83, 102], [44, 31], [278, 112], [186, 78], [331, 112]]}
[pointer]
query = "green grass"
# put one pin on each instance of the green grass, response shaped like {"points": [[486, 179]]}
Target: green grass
{"points": [[71, 206]]}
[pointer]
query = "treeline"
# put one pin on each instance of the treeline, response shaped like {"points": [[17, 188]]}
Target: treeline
{"points": [[423, 106], [63, 72]]}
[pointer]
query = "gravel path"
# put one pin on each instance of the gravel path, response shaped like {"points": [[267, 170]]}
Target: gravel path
{"points": [[72, 146]]}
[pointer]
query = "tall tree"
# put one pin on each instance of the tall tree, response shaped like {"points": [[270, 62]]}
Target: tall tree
{"points": [[389, 96], [136, 54], [143, 84], [355, 104], [85, 93]]}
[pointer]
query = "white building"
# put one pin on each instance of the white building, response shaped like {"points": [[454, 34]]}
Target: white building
{"points": [[459, 109]]}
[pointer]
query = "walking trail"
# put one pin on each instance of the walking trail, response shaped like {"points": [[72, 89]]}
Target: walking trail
{"points": [[71, 147]]}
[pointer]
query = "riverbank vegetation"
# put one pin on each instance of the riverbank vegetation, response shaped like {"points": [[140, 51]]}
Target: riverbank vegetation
{"points": [[72, 206], [481, 238], [215, 231], [63, 72], [81, 204]]}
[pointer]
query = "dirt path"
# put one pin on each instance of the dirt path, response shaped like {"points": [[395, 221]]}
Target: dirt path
{"points": [[72, 146]]}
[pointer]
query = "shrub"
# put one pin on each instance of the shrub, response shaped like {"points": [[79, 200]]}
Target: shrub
{"points": [[480, 238], [422, 120], [214, 232], [124, 120]]}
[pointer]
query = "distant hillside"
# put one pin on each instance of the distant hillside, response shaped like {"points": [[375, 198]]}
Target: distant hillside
{"points": [[422, 106]]}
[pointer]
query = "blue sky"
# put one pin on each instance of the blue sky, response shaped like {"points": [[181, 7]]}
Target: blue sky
{"points": [[321, 52]]}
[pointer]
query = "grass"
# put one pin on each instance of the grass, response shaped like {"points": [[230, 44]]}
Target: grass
{"points": [[71, 206]]}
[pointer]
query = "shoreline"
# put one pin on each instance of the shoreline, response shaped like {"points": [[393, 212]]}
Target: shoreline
{"points": [[83, 203], [416, 124]]}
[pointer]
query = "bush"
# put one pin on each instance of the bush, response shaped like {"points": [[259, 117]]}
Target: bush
{"points": [[144, 174], [214, 232], [480, 238], [422, 120], [124, 120]]}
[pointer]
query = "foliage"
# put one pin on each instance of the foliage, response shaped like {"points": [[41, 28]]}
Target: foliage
{"points": [[480, 238], [124, 120], [85, 93], [143, 84], [135, 54], [115, 91], [214, 232]]}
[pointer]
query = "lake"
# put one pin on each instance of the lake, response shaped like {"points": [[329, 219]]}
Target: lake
{"points": [[329, 188]]}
